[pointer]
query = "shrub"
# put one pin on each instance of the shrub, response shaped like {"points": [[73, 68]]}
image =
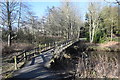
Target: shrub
{"points": [[7, 50]]}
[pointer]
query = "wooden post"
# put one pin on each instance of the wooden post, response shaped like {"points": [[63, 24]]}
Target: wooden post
{"points": [[15, 60], [35, 50], [28, 56], [24, 56], [65, 43], [49, 45], [34, 53], [55, 44], [45, 46], [40, 49], [61, 45]]}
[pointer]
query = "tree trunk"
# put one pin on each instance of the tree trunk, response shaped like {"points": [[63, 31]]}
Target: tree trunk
{"points": [[9, 40], [119, 15], [19, 16], [90, 31], [112, 30], [93, 32], [9, 24], [71, 32], [68, 34], [78, 34], [111, 33]]}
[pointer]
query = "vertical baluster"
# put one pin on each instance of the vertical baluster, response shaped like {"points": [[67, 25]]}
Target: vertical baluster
{"points": [[45, 46], [40, 48], [37, 50], [24, 56], [56, 44], [15, 62], [34, 52], [28, 55], [53, 44], [49, 45]]}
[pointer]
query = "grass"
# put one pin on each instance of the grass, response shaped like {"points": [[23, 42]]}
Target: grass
{"points": [[111, 46], [7, 57], [97, 48]]}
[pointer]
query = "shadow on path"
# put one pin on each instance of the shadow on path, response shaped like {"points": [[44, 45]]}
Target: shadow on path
{"points": [[35, 69]]}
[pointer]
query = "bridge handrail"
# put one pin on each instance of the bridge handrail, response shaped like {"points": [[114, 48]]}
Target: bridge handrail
{"points": [[27, 54], [63, 46], [31, 52], [24, 54]]}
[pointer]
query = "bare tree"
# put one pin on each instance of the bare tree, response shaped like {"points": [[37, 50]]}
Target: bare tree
{"points": [[64, 21], [19, 14], [9, 15], [93, 20]]}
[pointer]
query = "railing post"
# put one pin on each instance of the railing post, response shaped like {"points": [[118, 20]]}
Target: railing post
{"points": [[49, 45], [28, 57], [55, 44], [40, 49], [15, 60], [61, 45], [65, 43], [35, 51], [45, 46], [33, 54], [25, 56]]}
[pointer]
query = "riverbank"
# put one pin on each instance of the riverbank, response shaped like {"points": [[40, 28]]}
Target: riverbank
{"points": [[79, 62], [111, 46]]}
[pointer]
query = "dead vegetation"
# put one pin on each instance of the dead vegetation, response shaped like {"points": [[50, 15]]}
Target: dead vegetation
{"points": [[111, 46], [98, 65], [15, 47], [8, 54], [84, 64]]}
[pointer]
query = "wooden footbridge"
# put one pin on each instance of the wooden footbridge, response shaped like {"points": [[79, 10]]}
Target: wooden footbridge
{"points": [[34, 61]]}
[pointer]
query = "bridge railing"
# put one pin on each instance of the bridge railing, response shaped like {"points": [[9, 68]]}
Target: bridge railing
{"points": [[28, 54], [60, 48], [25, 55]]}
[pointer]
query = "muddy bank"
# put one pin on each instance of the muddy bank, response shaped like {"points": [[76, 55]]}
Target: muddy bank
{"points": [[80, 63]]}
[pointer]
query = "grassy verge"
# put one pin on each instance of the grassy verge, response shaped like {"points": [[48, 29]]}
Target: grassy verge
{"points": [[111, 46]]}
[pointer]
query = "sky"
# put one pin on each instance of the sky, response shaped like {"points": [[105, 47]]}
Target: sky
{"points": [[40, 8]]}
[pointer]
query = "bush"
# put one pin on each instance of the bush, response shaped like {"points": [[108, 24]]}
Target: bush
{"points": [[104, 39], [7, 50]]}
